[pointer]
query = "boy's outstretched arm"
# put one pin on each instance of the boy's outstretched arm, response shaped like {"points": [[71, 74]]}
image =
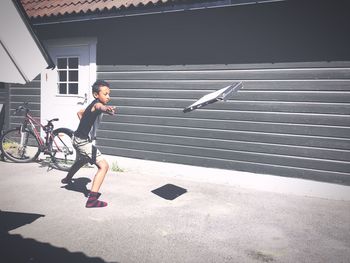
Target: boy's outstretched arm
{"points": [[107, 109]]}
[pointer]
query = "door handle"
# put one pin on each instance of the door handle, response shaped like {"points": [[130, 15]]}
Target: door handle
{"points": [[85, 99]]}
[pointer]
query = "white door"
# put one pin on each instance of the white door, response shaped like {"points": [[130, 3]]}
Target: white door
{"points": [[67, 88]]}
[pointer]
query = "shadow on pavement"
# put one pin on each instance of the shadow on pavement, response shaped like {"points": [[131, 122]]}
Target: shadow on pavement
{"points": [[13, 220], [17, 249], [169, 191], [78, 185]]}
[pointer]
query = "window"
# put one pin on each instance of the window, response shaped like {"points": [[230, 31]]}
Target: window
{"points": [[68, 75]]}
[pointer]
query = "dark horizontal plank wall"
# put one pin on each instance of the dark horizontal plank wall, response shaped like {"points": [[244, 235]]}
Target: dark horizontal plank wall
{"points": [[3, 93], [4, 101], [289, 119], [18, 94]]}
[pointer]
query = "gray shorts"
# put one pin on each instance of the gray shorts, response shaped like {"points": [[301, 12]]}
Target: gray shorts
{"points": [[86, 150]]}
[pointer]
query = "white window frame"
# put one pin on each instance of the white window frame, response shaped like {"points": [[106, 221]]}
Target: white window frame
{"points": [[67, 81]]}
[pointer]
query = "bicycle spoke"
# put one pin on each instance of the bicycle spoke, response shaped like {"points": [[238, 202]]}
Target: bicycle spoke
{"points": [[64, 154], [19, 147]]}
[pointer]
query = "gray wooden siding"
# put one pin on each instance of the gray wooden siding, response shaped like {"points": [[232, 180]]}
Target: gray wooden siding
{"points": [[18, 94], [289, 119], [3, 93], [4, 101]]}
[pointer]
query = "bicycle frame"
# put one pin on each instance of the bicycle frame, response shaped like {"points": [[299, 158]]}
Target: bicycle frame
{"points": [[32, 121]]}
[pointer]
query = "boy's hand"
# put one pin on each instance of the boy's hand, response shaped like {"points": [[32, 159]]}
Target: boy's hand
{"points": [[107, 109], [111, 110]]}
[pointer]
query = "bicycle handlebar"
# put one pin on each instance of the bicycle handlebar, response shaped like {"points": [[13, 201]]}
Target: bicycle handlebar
{"points": [[24, 106]]}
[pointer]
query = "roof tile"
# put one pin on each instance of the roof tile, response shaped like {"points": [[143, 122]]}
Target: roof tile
{"points": [[42, 8]]}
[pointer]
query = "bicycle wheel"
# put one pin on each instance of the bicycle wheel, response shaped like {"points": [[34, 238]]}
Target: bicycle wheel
{"points": [[63, 152], [20, 147]]}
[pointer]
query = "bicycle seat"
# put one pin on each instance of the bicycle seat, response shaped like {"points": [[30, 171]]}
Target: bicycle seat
{"points": [[56, 119]]}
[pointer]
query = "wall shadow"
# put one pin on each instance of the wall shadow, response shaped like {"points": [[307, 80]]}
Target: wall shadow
{"points": [[16, 249], [13, 220]]}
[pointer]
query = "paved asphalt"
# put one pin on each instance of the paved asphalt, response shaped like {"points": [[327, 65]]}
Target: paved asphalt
{"points": [[194, 218]]}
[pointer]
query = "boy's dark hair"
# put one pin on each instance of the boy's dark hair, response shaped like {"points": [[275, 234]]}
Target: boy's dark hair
{"points": [[99, 83]]}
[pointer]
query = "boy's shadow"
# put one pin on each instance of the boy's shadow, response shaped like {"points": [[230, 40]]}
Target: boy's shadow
{"points": [[78, 185]]}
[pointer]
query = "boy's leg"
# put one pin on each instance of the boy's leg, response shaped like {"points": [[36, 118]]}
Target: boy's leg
{"points": [[96, 184], [84, 150], [100, 175], [75, 168]]}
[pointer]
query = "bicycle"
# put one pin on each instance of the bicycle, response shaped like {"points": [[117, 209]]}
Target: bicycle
{"points": [[23, 144]]}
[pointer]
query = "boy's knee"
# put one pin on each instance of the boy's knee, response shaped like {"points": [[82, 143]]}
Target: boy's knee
{"points": [[106, 166], [103, 164]]}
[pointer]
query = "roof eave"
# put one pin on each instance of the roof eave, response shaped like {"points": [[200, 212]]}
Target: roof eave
{"points": [[143, 10]]}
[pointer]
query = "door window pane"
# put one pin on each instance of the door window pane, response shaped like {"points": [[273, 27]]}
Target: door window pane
{"points": [[62, 75], [63, 88], [73, 75], [73, 88], [73, 63], [61, 63]]}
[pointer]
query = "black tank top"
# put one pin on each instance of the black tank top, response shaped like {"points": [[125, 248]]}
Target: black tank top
{"points": [[87, 121]]}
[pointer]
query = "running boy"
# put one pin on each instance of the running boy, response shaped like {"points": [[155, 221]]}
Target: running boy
{"points": [[82, 141]]}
